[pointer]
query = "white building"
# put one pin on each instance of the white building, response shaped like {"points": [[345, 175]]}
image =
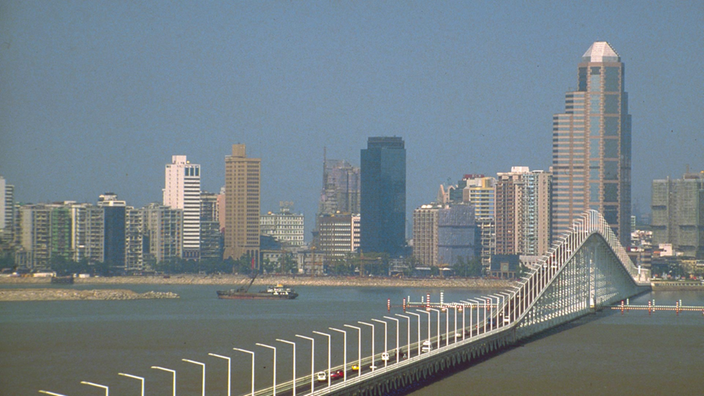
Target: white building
{"points": [[285, 226], [182, 191], [7, 210]]}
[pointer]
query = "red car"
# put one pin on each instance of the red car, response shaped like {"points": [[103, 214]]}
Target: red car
{"points": [[339, 374]]}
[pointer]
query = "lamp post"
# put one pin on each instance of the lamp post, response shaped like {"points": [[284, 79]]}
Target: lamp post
{"points": [[438, 333], [417, 316], [273, 389], [229, 371], [426, 312], [373, 366], [386, 348], [454, 308], [174, 375], [107, 390], [202, 365], [344, 352], [329, 340], [251, 353], [293, 344], [51, 393], [359, 348], [312, 361], [470, 319], [134, 377], [397, 324], [408, 335]]}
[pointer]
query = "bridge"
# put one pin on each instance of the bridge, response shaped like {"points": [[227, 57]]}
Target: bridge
{"points": [[585, 270]]}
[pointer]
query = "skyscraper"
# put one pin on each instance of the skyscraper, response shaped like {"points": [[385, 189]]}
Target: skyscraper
{"points": [[114, 222], [383, 196], [182, 191], [7, 211], [592, 145], [242, 204]]}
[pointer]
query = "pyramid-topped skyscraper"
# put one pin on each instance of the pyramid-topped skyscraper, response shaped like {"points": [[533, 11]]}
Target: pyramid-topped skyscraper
{"points": [[592, 145]]}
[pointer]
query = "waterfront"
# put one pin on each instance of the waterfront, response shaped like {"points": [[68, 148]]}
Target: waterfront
{"points": [[54, 345]]}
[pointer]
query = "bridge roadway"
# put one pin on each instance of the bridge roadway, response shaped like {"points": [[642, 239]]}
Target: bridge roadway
{"points": [[585, 270]]}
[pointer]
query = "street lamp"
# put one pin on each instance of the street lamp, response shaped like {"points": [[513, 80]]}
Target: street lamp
{"points": [[274, 375], [397, 324], [409, 348], [426, 312], [386, 348], [312, 361], [373, 366], [107, 390], [202, 365], [174, 374], [251, 353], [408, 336], [438, 333], [359, 348], [344, 352], [135, 377], [293, 344], [329, 338], [229, 371]]}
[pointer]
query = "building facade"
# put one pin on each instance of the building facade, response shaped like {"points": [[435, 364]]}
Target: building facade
{"points": [[182, 191], [383, 196], [134, 239], [210, 235], [163, 233], [114, 226], [242, 204], [592, 146], [338, 235], [87, 233], [341, 188], [286, 227], [678, 214], [7, 211], [425, 234]]}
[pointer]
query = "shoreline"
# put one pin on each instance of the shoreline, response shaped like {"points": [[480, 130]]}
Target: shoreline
{"points": [[64, 294], [292, 280]]}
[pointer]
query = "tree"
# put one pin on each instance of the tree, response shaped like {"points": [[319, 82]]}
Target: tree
{"points": [[467, 267]]}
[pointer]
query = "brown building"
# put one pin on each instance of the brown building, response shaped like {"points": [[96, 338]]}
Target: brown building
{"points": [[242, 204]]}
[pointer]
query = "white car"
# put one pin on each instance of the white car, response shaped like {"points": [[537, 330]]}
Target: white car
{"points": [[321, 376], [427, 347]]}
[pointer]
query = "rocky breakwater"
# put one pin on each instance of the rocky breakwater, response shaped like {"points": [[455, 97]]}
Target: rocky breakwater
{"points": [[72, 294]]}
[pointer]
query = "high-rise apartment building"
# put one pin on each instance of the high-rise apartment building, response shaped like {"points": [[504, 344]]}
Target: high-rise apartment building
{"points": [[134, 239], [114, 234], [523, 212], [44, 234], [592, 146], [425, 234], [338, 234], [210, 235], [87, 233], [163, 233], [678, 214], [285, 227], [182, 191], [480, 191], [242, 204], [7, 211], [340, 188], [383, 196]]}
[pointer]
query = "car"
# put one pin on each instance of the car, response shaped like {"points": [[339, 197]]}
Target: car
{"points": [[337, 375], [355, 368], [321, 376], [427, 347]]}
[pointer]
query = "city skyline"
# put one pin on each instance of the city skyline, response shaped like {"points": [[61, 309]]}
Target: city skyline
{"points": [[92, 103]]}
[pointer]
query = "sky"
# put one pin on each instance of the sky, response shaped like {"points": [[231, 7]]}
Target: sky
{"points": [[96, 96]]}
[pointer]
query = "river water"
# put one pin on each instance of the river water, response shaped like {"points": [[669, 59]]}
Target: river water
{"points": [[54, 345]]}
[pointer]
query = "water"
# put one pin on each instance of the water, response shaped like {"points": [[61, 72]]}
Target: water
{"points": [[55, 345]]}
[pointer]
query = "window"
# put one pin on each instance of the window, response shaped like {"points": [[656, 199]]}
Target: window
{"points": [[611, 104], [610, 148], [594, 103], [593, 148], [611, 79], [594, 192], [594, 124], [610, 170], [611, 126], [611, 192]]}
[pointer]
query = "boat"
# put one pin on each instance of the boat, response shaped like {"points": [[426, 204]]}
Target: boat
{"points": [[277, 292]]}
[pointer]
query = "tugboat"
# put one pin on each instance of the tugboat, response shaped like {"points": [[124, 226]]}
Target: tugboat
{"points": [[278, 292]]}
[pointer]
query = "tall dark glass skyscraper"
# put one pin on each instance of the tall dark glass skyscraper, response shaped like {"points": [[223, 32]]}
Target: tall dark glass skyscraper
{"points": [[383, 196], [591, 146]]}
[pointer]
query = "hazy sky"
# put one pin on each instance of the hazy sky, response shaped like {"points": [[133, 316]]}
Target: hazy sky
{"points": [[97, 96]]}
